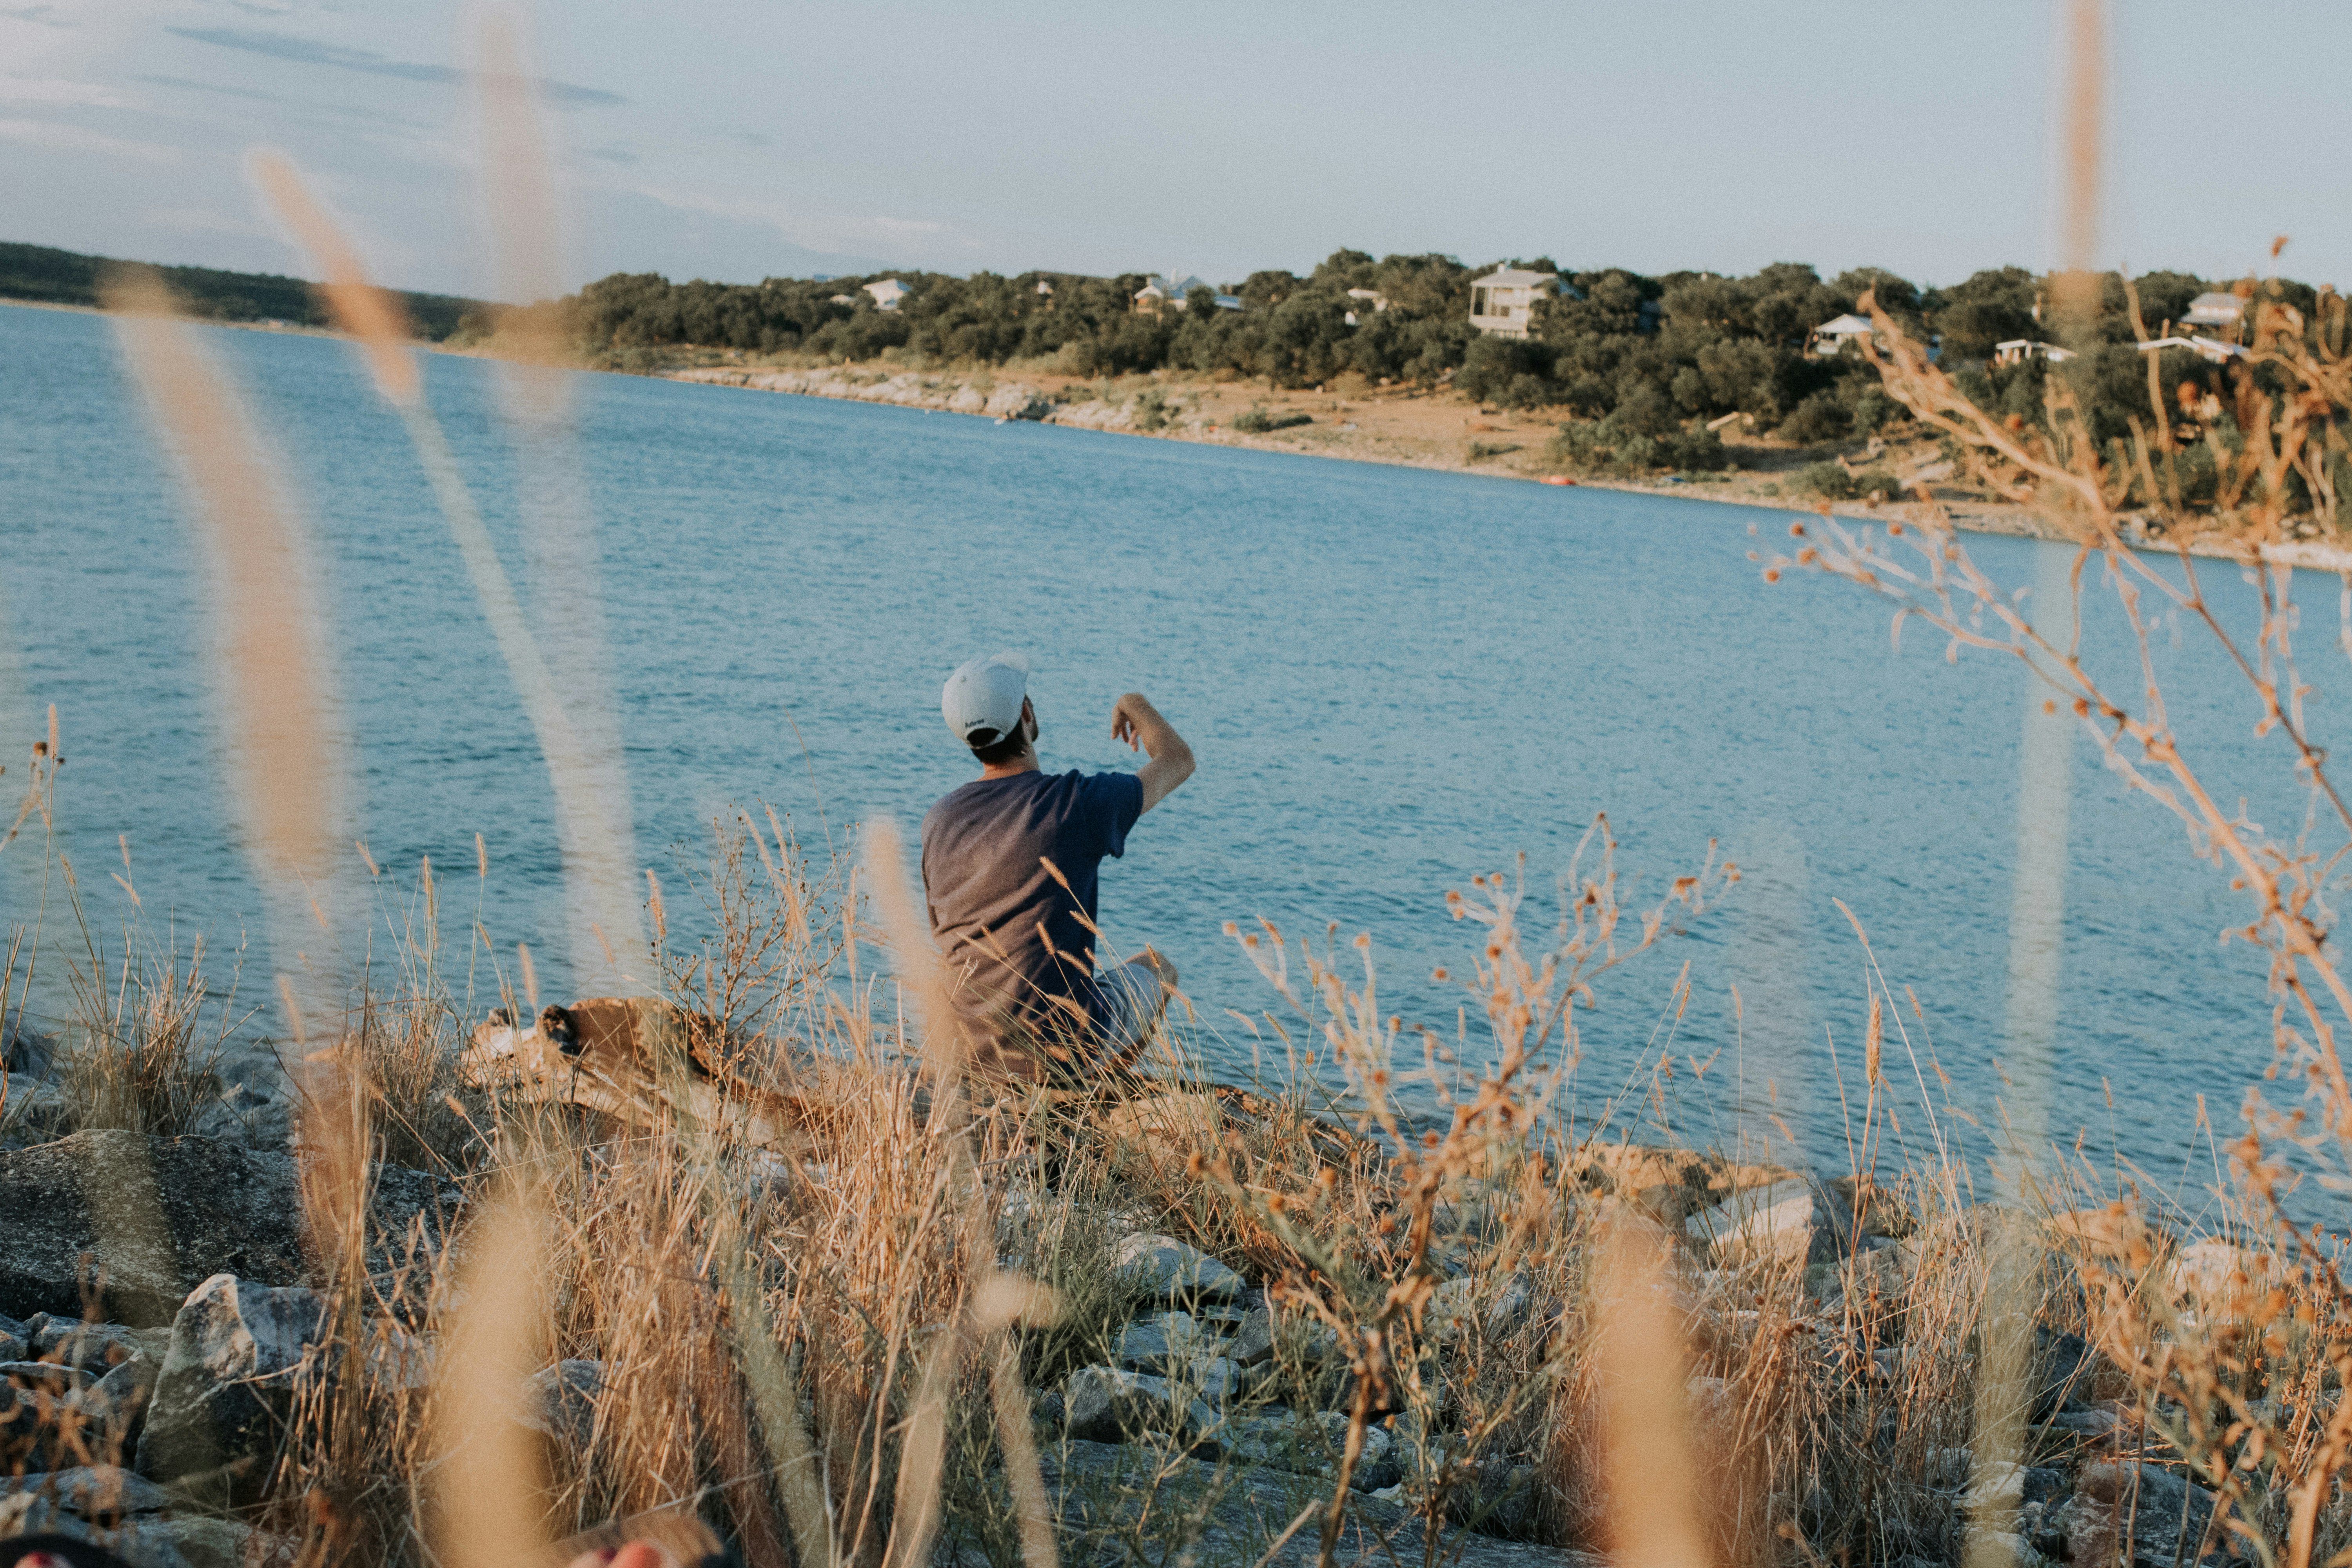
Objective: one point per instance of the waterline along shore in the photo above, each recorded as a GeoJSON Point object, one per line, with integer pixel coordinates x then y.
{"type": "Point", "coordinates": [1412, 428]}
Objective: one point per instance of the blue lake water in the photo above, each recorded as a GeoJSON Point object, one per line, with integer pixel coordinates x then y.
{"type": "Point", "coordinates": [1393, 679]}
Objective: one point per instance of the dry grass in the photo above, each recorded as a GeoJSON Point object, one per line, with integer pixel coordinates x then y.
{"type": "Point", "coordinates": [829, 1356]}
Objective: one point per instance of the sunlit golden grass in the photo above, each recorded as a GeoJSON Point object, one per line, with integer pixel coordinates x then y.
{"type": "Point", "coordinates": [849, 1347]}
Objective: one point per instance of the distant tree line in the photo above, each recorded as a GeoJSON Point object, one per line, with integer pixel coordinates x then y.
{"type": "Point", "coordinates": [70, 278]}
{"type": "Point", "coordinates": [1640, 365]}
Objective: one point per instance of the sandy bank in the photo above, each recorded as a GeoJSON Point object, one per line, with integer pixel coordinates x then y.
{"type": "Point", "coordinates": [1403, 426]}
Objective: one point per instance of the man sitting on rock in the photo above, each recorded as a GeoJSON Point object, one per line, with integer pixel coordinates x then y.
{"type": "Point", "coordinates": [1009, 864]}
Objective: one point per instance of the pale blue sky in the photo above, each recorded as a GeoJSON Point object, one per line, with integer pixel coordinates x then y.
{"type": "Point", "coordinates": [733, 139]}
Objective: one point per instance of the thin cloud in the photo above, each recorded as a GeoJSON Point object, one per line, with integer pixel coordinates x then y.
{"type": "Point", "coordinates": [308, 106]}
{"type": "Point", "coordinates": [41, 16]}
{"type": "Point", "coordinates": [367, 62]}
{"type": "Point", "coordinates": [245, 92]}
{"type": "Point", "coordinates": [52, 89]}
{"type": "Point", "coordinates": [73, 139]}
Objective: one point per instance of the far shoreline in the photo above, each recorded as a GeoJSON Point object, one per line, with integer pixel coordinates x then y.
{"type": "Point", "coordinates": [987, 396]}
{"type": "Point", "coordinates": [1435, 445]}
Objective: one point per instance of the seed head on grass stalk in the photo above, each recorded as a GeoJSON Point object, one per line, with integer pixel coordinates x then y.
{"type": "Point", "coordinates": [486, 1464]}
{"type": "Point", "coordinates": [591, 791]}
{"type": "Point", "coordinates": [372, 317]}
{"type": "Point", "coordinates": [273, 664]}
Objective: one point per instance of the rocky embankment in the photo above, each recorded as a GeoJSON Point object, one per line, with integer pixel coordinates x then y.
{"type": "Point", "coordinates": [158, 1306]}
{"type": "Point", "coordinates": [1149, 413]}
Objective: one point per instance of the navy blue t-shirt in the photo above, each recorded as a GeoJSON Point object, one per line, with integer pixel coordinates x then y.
{"type": "Point", "coordinates": [1017, 940]}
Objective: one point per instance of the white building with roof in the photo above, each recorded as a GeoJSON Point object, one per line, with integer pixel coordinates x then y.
{"type": "Point", "coordinates": [1160, 293]}
{"type": "Point", "coordinates": [2209, 348]}
{"type": "Point", "coordinates": [2017, 350]}
{"type": "Point", "coordinates": [2215, 311]}
{"type": "Point", "coordinates": [888, 293]}
{"type": "Point", "coordinates": [1831, 337]}
{"type": "Point", "coordinates": [1503, 302]}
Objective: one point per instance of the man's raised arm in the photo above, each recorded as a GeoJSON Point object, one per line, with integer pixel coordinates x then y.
{"type": "Point", "coordinates": [1135, 720]}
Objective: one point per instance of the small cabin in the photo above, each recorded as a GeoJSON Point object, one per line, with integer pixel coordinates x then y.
{"type": "Point", "coordinates": [2215, 311]}
{"type": "Point", "coordinates": [1503, 302]}
{"type": "Point", "coordinates": [1159, 294]}
{"type": "Point", "coordinates": [2210, 350]}
{"type": "Point", "coordinates": [2017, 350]}
{"type": "Point", "coordinates": [888, 293]}
{"type": "Point", "coordinates": [1830, 339]}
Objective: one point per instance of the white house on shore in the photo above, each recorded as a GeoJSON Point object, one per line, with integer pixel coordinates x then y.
{"type": "Point", "coordinates": [1503, 302]}
{"type": "Point", "coordinates": [2211, 350]}
{"type": "Point", "coordinates": [2017, 350]}
{"type": "Point", "coordinates": [1159, 293]}
{"type": "Point", "coordinates": [2215, 311]}
{"type": "Point", "coordinates": [888, 293]}
{"type": "Point", "coordinates": [1831, 337]}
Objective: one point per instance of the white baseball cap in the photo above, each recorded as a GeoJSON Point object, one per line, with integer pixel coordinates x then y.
{"type": "Point", "coordinates": [986, 695]}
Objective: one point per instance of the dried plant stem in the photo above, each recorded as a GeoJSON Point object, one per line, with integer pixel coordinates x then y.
{"type": "Point", "coordinates": [1651, 1467]}
{"type": "Point", "coordinates": [602, 855]}
{"type": "Point", "coordinates": [488, 1462]}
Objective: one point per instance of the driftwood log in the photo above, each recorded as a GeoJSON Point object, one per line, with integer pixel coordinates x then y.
{"type": "Point", "coordinates": [639, 1060]}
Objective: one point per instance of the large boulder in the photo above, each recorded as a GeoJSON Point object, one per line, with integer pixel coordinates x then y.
{"type": "Point", "coordinates": [1792, 1221]}
{"type": "Point", "coordinates": [100, 1493]}
{"type": "Point", "coordinates": [1110, 1404]}
{"type": "Point", "coordinates": [1168, 1343]}
{"type": "Point", "coordinates": [2160, 1513]}
{"type": "Point", "coordinates": [1205, 1512]}
{"type": "Point", "coordinates": [227, 1387]}
{"type": "Point", "coordinates": [1309, 1444]}
{"type": "Point", "coordinates": [1165, 1269]}
{"type": "Point", "coordinates": [140, 1222]}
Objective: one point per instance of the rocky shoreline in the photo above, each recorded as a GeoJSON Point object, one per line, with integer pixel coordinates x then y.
{"type": "Point", "coordinates": [153, 1348]}
{"type": "Point", "coordinates": [1181, 411]}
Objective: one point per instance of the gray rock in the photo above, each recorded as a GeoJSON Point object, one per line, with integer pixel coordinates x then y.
{"type": "Point", "coordinates": [1498, 1500]}
{"type": "Point", "coordinates": [1310, 1444]}
{"type": "Point", "coordinates": [142, 1540]}
{"type": "Point", "coordinates": [31, 1439]}
{"type": "Point", "coordinates": [28, 1513]}
{"type": "Point", "coordinates": [1207, 1513]}
{"type": "Point", "coordinates": [91, 1491]}
{"type": "Point", "coordinates": [1170, 1270]}
{"type": "Point", "coordinates": [1255, 1344]}
{"type": "Point", "coordinates": [57, 1380]}
{"type": "Point", "coordinates": [203, 1543]}
{"type": "Point", "coordinates": [1110, 1405]}
{"type": "Point", "coordinates": [118, 1402]}
{"type": "Point", "coordinates": [1162, 1343]}
{"type": "Point", "coordinates": [96, 1346]}
{"type": "Point", "coordinates": [1460, 1305]}
{"type": "Point", "coordinates": [146, 1220]}
{"type": "Point", "coordinates": [560, 1400]}
{"type": "Point", "coordinates": [1791, 1220]}
{"type": "Point", "coordinates": [2063, 1368]}
{"type": "Point", "coordinates": [1218, 1380]}
{"type": "Point", "coordinates": [2168, 1507]}
{"type": "Point", "coordinates": [226, 1387]}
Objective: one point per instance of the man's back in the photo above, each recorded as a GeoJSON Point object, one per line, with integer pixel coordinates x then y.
{"type": "Point", "coordinates": [1021, 942]}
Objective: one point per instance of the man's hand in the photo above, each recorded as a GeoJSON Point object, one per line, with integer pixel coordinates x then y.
{"type": "Point", "coordinates": [1135, 720]}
